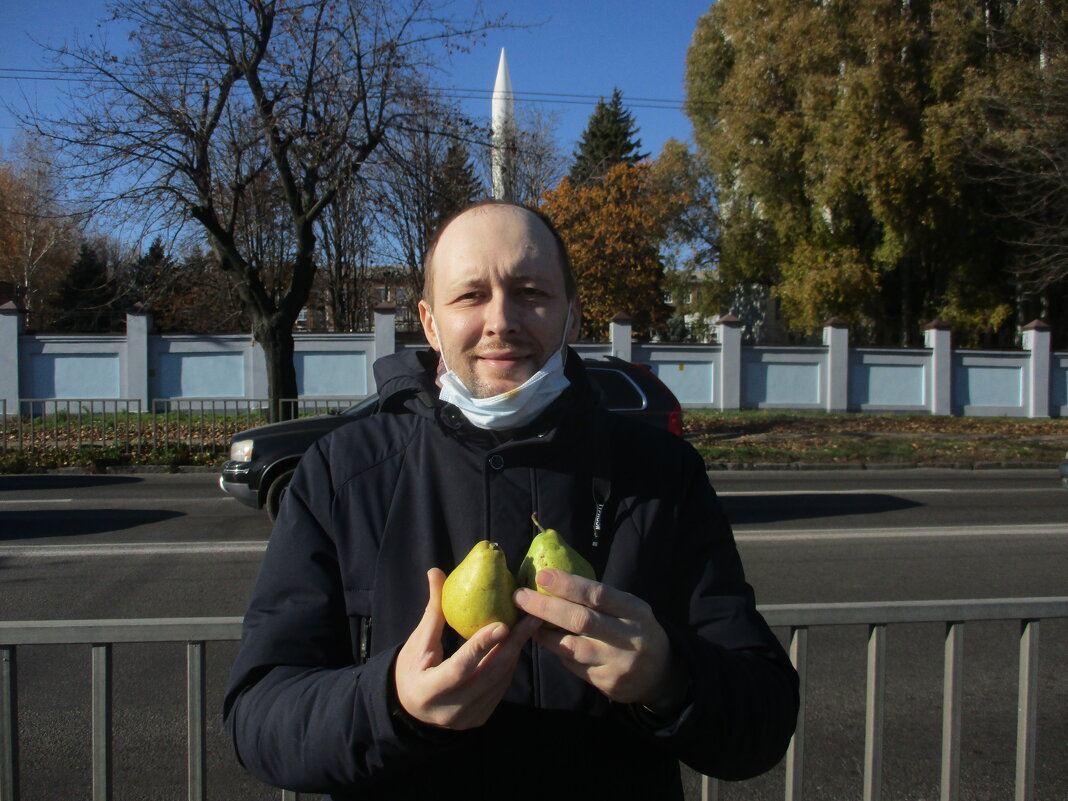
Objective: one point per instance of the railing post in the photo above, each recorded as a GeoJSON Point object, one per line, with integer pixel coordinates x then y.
{"type": "Point", "coordinates": [1027, 711]}
{"type": "Point", "coordinates": [795, 754]}
{"type": "Point", "coordinates": [873, 714]}
{"type": "Point", "coordinates": [102, 722]}
{"type": "Point", "coordinates": [9, 724]}
{"type": "Point", "coordinates": [195, 720]}
{"type": "Point", "coordinates": [951, 711]}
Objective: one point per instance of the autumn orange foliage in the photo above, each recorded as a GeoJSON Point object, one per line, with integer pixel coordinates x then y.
{"type": "Point", "coordinates": [613, 230]}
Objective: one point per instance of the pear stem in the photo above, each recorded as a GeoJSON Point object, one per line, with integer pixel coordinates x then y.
{"type": "Point", "coordinates": [534, 517]}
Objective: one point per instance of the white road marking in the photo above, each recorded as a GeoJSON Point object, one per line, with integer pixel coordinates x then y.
{"type": "Point", "coordinates": [119, 502]}
{"type": "Point", "coordinates": [751, 535]}
{"type": "Point", "coordinates": [36, 500]}
{"type": "Point", "coordinates": [133, 549]}
{"type": "Point", "coordinates": [878, 491]}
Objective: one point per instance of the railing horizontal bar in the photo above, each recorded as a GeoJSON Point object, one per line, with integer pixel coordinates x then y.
{"type": "Point", "coordinates": [873, 613]}
{"type": "Point", "coordinates": [44, 632]}
{"type": "Point", "coordinates": [61, 632]}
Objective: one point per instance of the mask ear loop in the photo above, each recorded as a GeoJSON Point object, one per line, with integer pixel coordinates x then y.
{"type": "Point", "coordinates": [442, 366]}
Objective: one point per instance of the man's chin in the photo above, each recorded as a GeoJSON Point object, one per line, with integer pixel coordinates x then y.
{"type": "Point", "coordinates": [489, 386]}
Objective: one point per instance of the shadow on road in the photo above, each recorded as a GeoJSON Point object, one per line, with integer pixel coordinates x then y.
{"type": "Point", "coordinates": [15, 526]}
{"type": "Point", "coordinates": [778, 508]}
{"type": "Point", "coordinates": [46, 481]}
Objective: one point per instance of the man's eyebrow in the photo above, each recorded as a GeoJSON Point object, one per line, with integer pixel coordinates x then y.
{"type": "Point", "coordinates": [475, 281]}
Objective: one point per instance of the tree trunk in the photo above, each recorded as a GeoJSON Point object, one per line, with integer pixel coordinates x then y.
{"type": "Point", "coordinates": [277, 343]}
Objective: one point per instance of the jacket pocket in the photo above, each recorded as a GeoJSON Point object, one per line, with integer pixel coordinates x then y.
{"type": "Point", "coordinates": [358, 608]}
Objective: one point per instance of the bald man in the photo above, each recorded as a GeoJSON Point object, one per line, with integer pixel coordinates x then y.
{"type": "Point", "coordinates": [349, 682]}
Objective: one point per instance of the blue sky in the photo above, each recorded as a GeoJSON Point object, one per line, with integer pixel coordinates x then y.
{"type": "Point", "coordinates": [583, 50]}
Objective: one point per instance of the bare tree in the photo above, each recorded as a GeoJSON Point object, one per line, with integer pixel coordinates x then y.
{"type": "Point", "coordinates": [219, 103]}
{"type": "Point", "coordinates": [345, 231]}
{"type": "Point", "coordinates": [38, 238]}
{"type": "Point", "coordinates": [425, 177]}
{"type": "Point", "coordinates": [539, 161]}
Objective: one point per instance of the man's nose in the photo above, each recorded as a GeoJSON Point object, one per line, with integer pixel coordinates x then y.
{"type": "Point", "coordinates": [501, 317]}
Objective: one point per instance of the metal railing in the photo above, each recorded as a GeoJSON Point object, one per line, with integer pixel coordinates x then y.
{"type": "Point", "coordinates": [197, 424]}
{"type": "Point", "coordinates": [101, 635]}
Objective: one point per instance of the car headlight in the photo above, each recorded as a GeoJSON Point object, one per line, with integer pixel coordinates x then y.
{"type": "Point", "coordinates": [241, 451]}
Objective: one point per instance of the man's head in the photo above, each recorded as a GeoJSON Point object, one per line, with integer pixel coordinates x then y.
{"type": "Point", "coordinates": [497, 296]}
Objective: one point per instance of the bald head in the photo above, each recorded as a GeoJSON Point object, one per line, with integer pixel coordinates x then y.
{"type": "Point", "coordinates": [495, 218]}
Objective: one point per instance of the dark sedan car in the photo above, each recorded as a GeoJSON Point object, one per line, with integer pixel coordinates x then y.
{"type": "Point", "coordinates": [262, 460]}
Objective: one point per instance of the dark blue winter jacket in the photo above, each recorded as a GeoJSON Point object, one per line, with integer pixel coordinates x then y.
{"type": "Point", "coordinates": [375, 504]}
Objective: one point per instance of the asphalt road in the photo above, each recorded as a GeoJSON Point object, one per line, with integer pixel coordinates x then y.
{"type": "Point", "coordinates": [174, 546]}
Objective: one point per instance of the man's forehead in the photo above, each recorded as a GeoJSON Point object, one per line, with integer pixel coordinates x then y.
{"type": "Point", "coordinates": [512, 222]}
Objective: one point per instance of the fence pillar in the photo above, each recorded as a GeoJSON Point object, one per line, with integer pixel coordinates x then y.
{"type": "Point", "coordinates": [12, 322]}
{"type": "Point", "coordinates": [135, 380]}
{"type": "Point", "coordinates": [1036, 338]}
{"type": "Point", "coordinates": [729, 331]}
{"type": "Point", "coordinates": [385, 338]}
{"type": "Point", "coordinates": [836, 340]}
{"type": "Point", "coordinates": [620, 334]}
{"type": "Point", "coordinates": [937, 337]}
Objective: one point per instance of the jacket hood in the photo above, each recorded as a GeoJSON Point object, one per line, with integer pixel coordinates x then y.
{"type": "Point", "coordinates": [404, 375]}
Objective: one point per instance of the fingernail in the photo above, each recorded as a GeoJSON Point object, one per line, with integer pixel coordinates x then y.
{"type": "Point", "coordinates": [545, 578]}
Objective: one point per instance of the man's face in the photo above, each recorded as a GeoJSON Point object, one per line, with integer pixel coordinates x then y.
{"type": "Point", "coordinates": [498, 305]}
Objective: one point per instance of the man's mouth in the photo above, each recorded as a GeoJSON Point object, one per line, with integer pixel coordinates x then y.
{"type": "Point", "coordinates": [502, 358]}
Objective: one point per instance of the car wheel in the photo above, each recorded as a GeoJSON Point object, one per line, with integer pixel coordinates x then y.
{"type": "Point", "coordinates": [276, 492]}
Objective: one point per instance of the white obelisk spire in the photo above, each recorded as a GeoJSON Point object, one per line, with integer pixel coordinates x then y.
{"type": "Point", "coordinates": [502, 125]}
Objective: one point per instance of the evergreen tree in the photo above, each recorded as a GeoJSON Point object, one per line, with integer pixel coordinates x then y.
{"type": "Point", "coordinates": [610, 138]}
{"type": "Point", "coordinates": [455, 185]}
{"type": "Point", "coordinates": [86, 295]}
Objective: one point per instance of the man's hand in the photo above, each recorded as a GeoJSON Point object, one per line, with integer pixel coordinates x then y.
{"type": "Point", "coordinates": [608, 638]}
{"type": "Point", "coordinates": [462, 691]}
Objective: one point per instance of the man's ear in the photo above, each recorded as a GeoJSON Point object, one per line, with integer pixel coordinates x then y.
{"type": "Point", "coordinates": [575, 328]}
{"type": "Point", "coordinates": [426, 317]}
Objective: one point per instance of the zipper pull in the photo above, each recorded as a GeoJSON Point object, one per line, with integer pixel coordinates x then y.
{"type": "Point", "coordinates": [597, 524]}
{"type": "Point", "coordinates": [365, 639]}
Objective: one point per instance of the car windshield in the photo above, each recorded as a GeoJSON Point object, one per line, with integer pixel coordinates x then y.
{"type": "Point", "coordinates": [370, 400]}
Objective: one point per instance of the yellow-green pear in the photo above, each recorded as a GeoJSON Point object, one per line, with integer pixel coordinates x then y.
{"type": "Point", "coordinates": [479, 591]}
{"type": "Point", "coordinates": [548, 550]}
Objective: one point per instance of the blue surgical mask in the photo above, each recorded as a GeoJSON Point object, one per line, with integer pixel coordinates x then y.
{"type": "Point", "coordinates": [515, 407]}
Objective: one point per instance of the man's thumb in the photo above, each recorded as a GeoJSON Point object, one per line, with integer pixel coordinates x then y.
{"type": "Point", "coordinates": [433, 622]}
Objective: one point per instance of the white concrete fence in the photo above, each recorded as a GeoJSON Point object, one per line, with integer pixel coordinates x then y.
{"type": "Point", "coordinates": [145, 368]}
